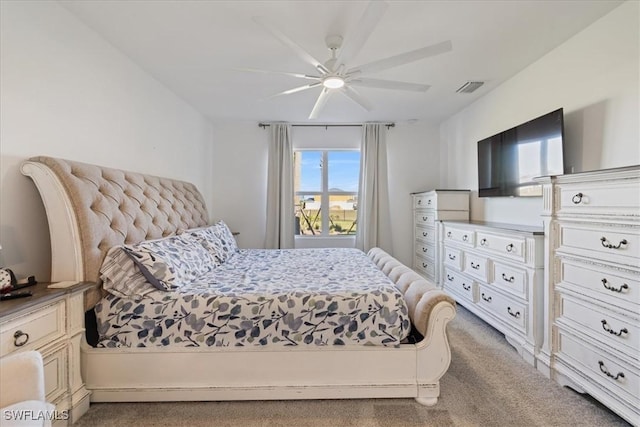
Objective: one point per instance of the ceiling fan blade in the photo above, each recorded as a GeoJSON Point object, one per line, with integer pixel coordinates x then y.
{"type": "Point", "coordinates": [296, 89]}
{"type": "Point", "coordinates": [361, 33]}
{"type": "Point", "coordinates": [356, 97]}
{"type": "Point", "coordinates": [403, 58]}
{"type": "Point", "coordinates": [389, 84]}
{"type": "Point", "coordinates": [285, 73]}
{"type": "Point", "coordinates": [299, 50]}
{"type": "Point", "coordinates": [320, 102]}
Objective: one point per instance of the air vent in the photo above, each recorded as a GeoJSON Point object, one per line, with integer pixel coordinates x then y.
{"type": "Point", "coordinates": [469, 87]}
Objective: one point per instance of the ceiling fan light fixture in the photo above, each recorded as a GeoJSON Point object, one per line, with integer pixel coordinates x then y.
{"type": "Point", "coordinates": [333, 82]}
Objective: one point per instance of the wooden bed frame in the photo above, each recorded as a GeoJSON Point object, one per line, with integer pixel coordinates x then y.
{"type": "Point", "coordinates": [91, 208]}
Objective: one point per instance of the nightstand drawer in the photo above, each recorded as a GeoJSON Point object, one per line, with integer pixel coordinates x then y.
{"type": "Point", "coordinates": [33, 330]}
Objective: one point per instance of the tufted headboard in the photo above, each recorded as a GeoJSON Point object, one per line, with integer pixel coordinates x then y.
{"type": "Point", "coordinates": [92, 208]}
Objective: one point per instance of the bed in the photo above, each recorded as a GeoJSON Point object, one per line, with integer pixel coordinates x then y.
{"type": "Point", "coordinates": [93, 209]}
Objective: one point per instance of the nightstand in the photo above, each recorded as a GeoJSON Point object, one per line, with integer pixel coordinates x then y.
{"type": "Point", "coordinates": [51, 321]}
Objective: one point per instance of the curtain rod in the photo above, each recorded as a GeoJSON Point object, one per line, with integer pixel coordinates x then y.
{"type": "Point", "coordinates": [265, 125]}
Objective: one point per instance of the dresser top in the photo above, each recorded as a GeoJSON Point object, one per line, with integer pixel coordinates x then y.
{"type": "Point", "coordinates": [439, 190]}
{"type": "Point", "coordinates": [41, 294]}
{"type": "Point", "coordinates": [531, 229]}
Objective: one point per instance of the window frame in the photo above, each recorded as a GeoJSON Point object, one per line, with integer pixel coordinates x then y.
{"type": "Point", "coordinates": [325, 194]}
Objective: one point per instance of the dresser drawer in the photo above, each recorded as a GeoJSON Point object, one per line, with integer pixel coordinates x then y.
{"type": "Point", "coordinates": [33, 330]}
{"type": "Point", "coordinates": [476, 266]}
{"type": "Point", "coordinates": [511, 247]}
{"type": "Point", "coordinates": [611, 198]}
{"type": "Point", "coordinates": [425, 218]}
{"type": "Point", "coordinates": [513, 312]}
{"type": "Point", "coordinates": [460, 285]}
{"type": "Point", "coordinates": [427, 234]}
{"type": "Point", "coordinates": [610, 285]}
{"type": "Point", "coordinates": [459, 235]}
{"type": "Point", "coordinates": [615, 244]}
{"type": "Point", "coordinates": [425, 265]}
{"type": "Point", "coordinates": [510, 279]}
{"type": "Point", "coordinates": [422, 201]}
{"type": "Point", "coordinates": [453, 258]}
{"type": "Point", "coordinates": [621, 333]}
{"type": "Point", "coordinates": [609, 371]}
{"type": "Point", "coordinates": [425, 249]}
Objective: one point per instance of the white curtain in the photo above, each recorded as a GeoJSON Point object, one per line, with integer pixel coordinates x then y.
{"type": "Point", "coordinates": [374, 222]}
{"type": "Point", "coordinates": [280, 209]}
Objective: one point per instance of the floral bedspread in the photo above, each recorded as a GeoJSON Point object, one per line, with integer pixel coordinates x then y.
{"type": "Point", "coordinates": [266, 297]}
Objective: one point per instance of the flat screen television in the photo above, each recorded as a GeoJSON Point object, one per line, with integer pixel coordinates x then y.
{"type": "Point", "coordinates": [509, 160]}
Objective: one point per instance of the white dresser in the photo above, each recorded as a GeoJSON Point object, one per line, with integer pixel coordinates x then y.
{"type": "Point", "coordinates": [51, 322]}
{"type": "Point", "coordinates": [430, 207]}
{"type": "Point", "coordinates": [496, 271]}
{"type": "Point", "coordinates": [593, 286]}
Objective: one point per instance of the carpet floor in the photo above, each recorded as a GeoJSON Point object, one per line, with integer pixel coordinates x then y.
{"type": "Point", "coordinates": [487, 384]}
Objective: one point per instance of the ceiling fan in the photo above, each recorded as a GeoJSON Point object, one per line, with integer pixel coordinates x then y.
{"type": "Point", "coordinates": [334, 75]}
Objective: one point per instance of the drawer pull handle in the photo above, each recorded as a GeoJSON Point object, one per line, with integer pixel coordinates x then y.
{"type": "Point", "coordinates": [452, 257]}
{"type": "Point", "coordinates": [611, 331]}
{"type": "Point", "coordinates": [607, 373]}
{"type": "Point", "coordinates": [483, 242]}
{"type": "Point", "coordinates": [608, 245]}
{"type": "Point", "coordinates": [508, 279]}
{"type": "Point", "coordinates": [612, 289]}
{"type": "Point", "coordinates": [424, 218]}
{"type": "Point", "coordinates": [429, 201]}
{"type": "Point", "coordinates": [510, 247]}
{"type": "Point", "coordinates": [448, 234]}
{"type": "Point", "coordinates": [419, 201]}
{"type": "Point", "coordinates": [516, 314]}
{"type": "Point", "coordinates": [425, 249]}
{"type": "Point", "coordinates": [475, 266]}
{"type": "Point", "coordinates": [465, 238]}
{"type": "Point", "coordinates": [487, 299]}
{"type": "Point", "coordinates": [20, 338]}
{"type": "Point", "coordinates": [425, 265]}
{"type": "Point", "coordinates": [450, 277]}
{"type": "Point", "coordinates": [425, 234]}
{"type": "Point", "coordinates": [466, 287]}
{"type": "Point", "coordinates": [576, 199]}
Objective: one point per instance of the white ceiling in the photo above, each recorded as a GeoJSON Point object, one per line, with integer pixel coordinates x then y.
{"type": "Point", "coordinates": [194, 47]}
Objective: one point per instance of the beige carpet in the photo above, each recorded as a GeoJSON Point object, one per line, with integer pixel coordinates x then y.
{"type": "Point", "coordinates": [486, 385]}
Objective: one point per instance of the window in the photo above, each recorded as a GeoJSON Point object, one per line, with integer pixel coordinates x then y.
{"type": "Point", "coordinates": [326, 192]}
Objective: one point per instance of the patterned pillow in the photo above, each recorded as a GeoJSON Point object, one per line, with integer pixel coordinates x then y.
{"type": "Point", "coordinates": [122, 277]}
{"type": "Point", "coordinates": [133, 270]}
{"type": "Point", "coordinates": [184, 258]}
{"type": "Point", "coordinates": [217, 239]}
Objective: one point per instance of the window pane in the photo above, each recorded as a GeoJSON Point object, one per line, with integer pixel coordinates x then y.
{"type": "Point", "coordinates": [344, 170]}
{"type": "Point", "coordinates": [308, 220]}
{"type": "Point", "coordinates": [307, 171]}
{"type": "Point", "coordinates": [342, 214]}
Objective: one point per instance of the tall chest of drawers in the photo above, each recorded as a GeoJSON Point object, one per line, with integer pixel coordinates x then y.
{"type": "Point", "coordinates": [496, 272]}
{"type": "Point", "coordinates": [52, 323]}
{"type": "Point", "coordinates": [429, 208]}
{"type": "Point", "coordinates": [593, 324]}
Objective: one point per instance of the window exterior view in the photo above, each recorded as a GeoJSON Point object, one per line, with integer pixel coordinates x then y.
{"type": "Point", "coordinates": [326, 192]}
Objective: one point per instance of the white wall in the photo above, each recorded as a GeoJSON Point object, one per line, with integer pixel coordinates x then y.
{"type": "Point", "coordinates": [594, 76]}
{"type": "Point", "coordinates": [240, 174]}
{"type": "Point", "coordinates": [65, 92]}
